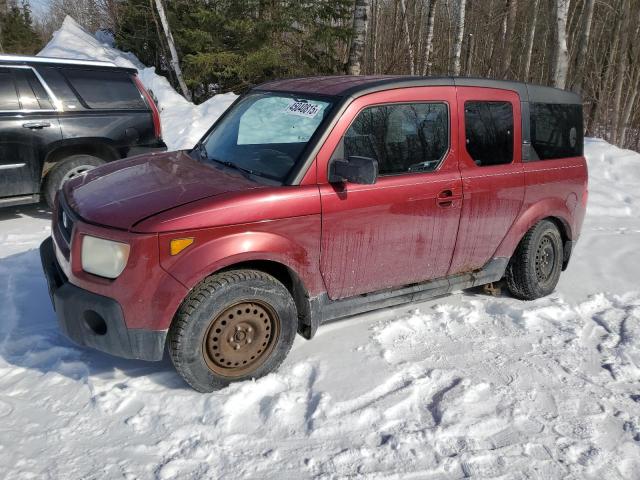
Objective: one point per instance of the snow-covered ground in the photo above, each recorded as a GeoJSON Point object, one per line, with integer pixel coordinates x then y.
{"type": "Point", "coordinates": [463, 386]}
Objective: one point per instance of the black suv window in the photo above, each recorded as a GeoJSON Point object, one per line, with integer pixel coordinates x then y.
{"type": "Point", "coordinates": [489, 132]}
{"type": "Point", "coordinates": [106, 90]}
{"type": "Point", "coordinates": [403, 138]}
{"type": "Point", "coordinates": [32, 93]}
{"type": "Point", "coordinates": [556, 130]}
{"type": "Point", "coordinates": [8, 93]}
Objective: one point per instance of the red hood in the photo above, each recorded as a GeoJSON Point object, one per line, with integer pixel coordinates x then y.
{"type": "Point", "coordinates": [122, 193]}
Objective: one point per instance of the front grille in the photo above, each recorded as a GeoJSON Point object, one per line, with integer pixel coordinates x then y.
{"type": "Point", "coordinates": [65, 221]}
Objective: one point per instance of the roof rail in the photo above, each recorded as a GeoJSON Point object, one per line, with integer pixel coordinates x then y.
{"type": "Point", "coordinates": [64, 61]}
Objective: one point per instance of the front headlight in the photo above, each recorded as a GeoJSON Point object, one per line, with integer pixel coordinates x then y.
{"type": "Point", "coordinates": [104, 258]}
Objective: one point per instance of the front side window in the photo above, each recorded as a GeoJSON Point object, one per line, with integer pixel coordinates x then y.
{"type": "Point", "coordinates": [8, 94]}
{"type": "Point", "coordinates": [489, 132]}
{"type": "Point", "coordinates": [106, 90]}
{"type": "Point", "coordinates": [556, 130]}
{"type": "Point", "coordinates": [403, 138]}
{"type": "Point", "coordinates": [265, 133]}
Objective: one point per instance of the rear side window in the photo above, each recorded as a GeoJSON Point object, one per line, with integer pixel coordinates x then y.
{"type": "Point", "coordinates": [556, 130]}
{"type": "Point", "coordinates": [32, 94]}
{"type": "Point", "coordinates": [8, 93]}
{"type": "Point", "coordinates": [106, 90]}
{"type": "Point", "coordinates": [403, 138]}
{"type": "Point", "coordinates": [489, 132]}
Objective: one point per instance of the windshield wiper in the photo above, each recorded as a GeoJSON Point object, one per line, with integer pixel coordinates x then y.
{"type": "Point", "coordinates": [229, 164]}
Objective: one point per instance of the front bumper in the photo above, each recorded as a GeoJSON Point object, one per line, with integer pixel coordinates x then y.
{"type": "Point", "coordinates": [94, 320]}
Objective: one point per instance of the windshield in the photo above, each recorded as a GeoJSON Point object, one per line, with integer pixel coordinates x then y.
{"type": "Point", "coordinates": [265, 133]}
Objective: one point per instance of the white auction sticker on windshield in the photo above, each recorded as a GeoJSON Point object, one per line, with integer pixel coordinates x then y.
{"type": "Point", "coordinates": [303, 109]}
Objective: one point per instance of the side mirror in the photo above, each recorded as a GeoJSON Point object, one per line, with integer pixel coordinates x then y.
{"type": "Point", "coordinates": [362, 170]}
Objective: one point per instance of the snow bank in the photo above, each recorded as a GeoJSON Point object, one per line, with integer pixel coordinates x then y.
{"type": "Point", "coordinates": [183, 123]}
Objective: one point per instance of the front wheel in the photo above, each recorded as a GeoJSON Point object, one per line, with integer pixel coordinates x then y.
{"type": "Point", "coordinates": [534, 269]}
{"type": "Point", "coordinates": [234, 326]}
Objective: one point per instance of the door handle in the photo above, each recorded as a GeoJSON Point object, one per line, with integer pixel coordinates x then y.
{"type": "Point", "coordinates": [36, 125]}
{"type": "Point", "coordinates": [446, 198]}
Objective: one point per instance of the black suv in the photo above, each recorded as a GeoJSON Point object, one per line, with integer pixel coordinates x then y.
{"type": "Point", "coordinates": [60, 118]}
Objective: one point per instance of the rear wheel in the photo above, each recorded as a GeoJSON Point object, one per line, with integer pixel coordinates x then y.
{"type": "Point", "coordinates": [234, 326]}
{"type": "Point", "coordinates": [534, 269]}
{"type": "Point", "coordinates": [67, 169]}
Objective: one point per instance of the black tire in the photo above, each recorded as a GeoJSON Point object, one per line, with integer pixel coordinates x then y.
{"type": "Point", "coordinates": [534, 269]}
{"type": "Point", "coordinates": [191, 336]}
{"type": "Point", "coordinates": [65, 169]}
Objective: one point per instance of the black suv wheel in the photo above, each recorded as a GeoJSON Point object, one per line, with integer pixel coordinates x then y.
{"type": "Point", "coordinates": [65, 170]}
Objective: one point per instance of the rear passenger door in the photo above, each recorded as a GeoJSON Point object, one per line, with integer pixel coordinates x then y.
{"type": "Point", "coordinates": [402, 229]}
{"type": "Point", "coordinates": [28, 126]}
{"type": "Point", "coordinates": [102, 104]}
{"type": "Point", "coordinates": [492, 173]}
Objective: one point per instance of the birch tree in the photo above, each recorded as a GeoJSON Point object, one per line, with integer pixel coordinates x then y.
{"type": "Point", "coordinates": [621, 68]}
{"type": "Point", "coordinates": [457, 48]}
{"type": "Point", "coordinates": [407, 37]}
{"type": "Point", "coordinates": [175, 62]}
{"type": "Point", "coordinates": [561, 67]}
{"type": "Point", "coordinates": [356, 52]}
{"type": "Point", "coordinates": [431, 13]}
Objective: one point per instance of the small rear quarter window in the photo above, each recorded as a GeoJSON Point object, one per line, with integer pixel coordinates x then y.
{"type": "Point", "coordinates": [106, 90]}
{"type": "Point", "coordinates": [556, 130]}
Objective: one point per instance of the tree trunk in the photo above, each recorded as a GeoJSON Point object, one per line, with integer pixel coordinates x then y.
{"type": "Point", "coordinates": [508, 39]}
{"type": "Point", "coordinates": [581, 57]}
{"type": "Point", "coordinates": [562, 53]}
{"type": "Point", "coordinates": [175, 62]}
{"type": "Point", "coordinates": [457, 48]}
{"type": "Point", "coordinates": [530, 39]}
{"type": "Point", "coordinates": [431, 7]}
{"type": "Point", "coordinates": [407, 37]}
{"type": "Point", "coordinates": [621, 70]}
{"type": "Point", "coordinates": [360, 19]}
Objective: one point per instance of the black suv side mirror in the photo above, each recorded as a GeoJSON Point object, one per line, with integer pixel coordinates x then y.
{"type": "Point", "coordinates": [362, 170]}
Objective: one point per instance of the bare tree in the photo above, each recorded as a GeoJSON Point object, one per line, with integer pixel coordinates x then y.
{"type": "Point", "coordinates": [580, 58]}
{"type": "Point", "coordinates": [621, 68]}
{"type": "Point", "coordinates": [530, 39]}
{"type": "Point", "coordinates": [407, 37]}
{"type": "Point", "coordinates": [508, 38]}
{"type": "Point", "coordinates": [457, 49]}
{"type": "Point", "coordinates": [431, 13]}
{"type": "Point", "coordinates": [175, 62]}
{"type": "Point", "coordinates": [356, 52]}
{"type": "Point", "coordinates": [561, 64]}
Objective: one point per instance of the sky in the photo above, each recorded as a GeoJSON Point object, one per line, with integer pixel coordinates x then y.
{"type": "Point", "coordinates": [39, 7]}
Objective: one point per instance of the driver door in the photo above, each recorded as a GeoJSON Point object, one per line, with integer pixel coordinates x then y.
{"type": "Point", "coordinates": [402, 229]}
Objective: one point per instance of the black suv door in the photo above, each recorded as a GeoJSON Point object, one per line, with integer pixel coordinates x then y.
{"type": "Point", "coordinates": [28, 127]}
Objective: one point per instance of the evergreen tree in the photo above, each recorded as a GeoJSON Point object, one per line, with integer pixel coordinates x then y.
{"type": "Point", "coordinates": [17, 34]}
{"type": "Point", "coordinates": [230, 45]}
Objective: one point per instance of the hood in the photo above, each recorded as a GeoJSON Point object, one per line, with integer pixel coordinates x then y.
{"type": "Point", "coordinates": [122, 193]}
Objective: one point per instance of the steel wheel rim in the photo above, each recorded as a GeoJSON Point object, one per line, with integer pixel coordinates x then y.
{"type": "Point", "coordinates": [545, 259]}
{"type": "Point", "coordinates": [76, 172]}
{"type": "Point", "coordinates": [241, 338]}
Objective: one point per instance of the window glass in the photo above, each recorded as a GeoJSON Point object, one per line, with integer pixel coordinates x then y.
{"type": "Point", "coordinates": [265, 133]}
{"type": "Point", "coordinates": [280, 120]}
{"type": "Point", "coordinates": [8, 94]}
{"type": "Point", "coordinates": [103, 89]}
{"type": "Point", "coordinates": [556, 130]}
{"type": "Point", "coordinates": [489, 132]}
{"type": "Point", "coordinates": [58, 84]}
{"type": "Point", "coordinates": [402, 138]}
{"type": "Point", "coordinates": [32, 93]}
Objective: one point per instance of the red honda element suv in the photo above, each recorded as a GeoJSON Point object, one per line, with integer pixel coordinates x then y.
{"type": "Point", "coordinates": [314, 199]}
